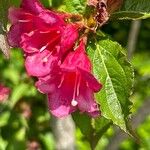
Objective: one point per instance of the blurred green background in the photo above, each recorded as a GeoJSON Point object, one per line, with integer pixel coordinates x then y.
{"type": "Point", "coordinates": [24, 117]}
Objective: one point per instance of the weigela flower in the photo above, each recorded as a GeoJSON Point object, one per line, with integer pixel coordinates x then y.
{"type": "Point", "coordinates": [31, 16]}
{"type": "Point", "coordinates": [43, 35]}
{"type": "Point", "coordinates": [44, 53]}
{"type": "Point", "coordinates": [72, 86]}
{"type": "Point", "coordinates": [63, 72]}
{"type": "Point", "coordinates": [4, 93]}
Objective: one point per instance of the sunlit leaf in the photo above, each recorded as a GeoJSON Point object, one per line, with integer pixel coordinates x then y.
{"type": "Point", "coordinates": [111, 67]}
{"type": "Point", "coordinates": [75, 6]}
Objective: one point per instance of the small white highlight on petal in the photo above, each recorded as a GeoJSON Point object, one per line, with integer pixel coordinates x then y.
{"type": "Point", "coordinates": [58, 32]}
{"type": "Point", "coordinates": [74, 102]}
{"type": "Point", "coordinates": [45, 60]}
{"type": "Point", "coordinates": [24, 21]}
{"type": "Point", "coordinates": [43, 48]}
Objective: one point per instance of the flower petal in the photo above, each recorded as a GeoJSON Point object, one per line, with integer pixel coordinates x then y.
{"type": "Point", "coordinates": [36, 41]}
{"type": "Point", "coordinates": [17, 14]}
{"type": "Point", "coordinates": [69, 37]}
{"type": "Point", "coordinates": [48, 84]}
{"type": "Point", "coordinates": [86, 102]}
{"type": "Point", "coordinates": [60, 100]}
{"type": "Point", "coordinates": [33, 6]}
{"type": "Point", "coordinates": [91, 80]}
{"type": "Point", "coordinates": [40, 64]}
{"type": "Point", "coordinates": [51, 18]}
{"type": "Point", "coordinates": [78, 58]}
{"type": "Point", "coordinates": [14, 35]}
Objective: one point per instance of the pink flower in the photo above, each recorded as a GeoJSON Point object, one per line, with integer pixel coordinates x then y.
{"type": "Point", "coordinates": [29, 17]}
{"type": "Point", "coordinates": [41, 64]}
{"type": "Point", "coordinates": [57, 36]}
{"type": "Point", "coordinates": [42, 54]}
{"type": "Point", "coordinates": [4, 93]}
{"type": "Point", "coordinates": [48, 42]}
{"type": "Point", "coordinates": [72, 86]}
{"type": "Point", "coordinates": [32, 6]}
{"type": "Point", "coordinates": [43, 35]}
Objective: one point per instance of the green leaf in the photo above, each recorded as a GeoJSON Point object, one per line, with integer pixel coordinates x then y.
{"type": "Point", "coordinates": [18, 92]}
{"type": "Point", "coordinates": [100, 126]}
{"type": "Point", "coordinates": [4, 5]}
{"type": "Point", "coordinates": [47, 141]}
{"type": "Point", "coordinates": [111, 67]}
{"type": "Point", "coordinates": [3, 142]}
{"type": "Point", "coordinates": [133, 9]}
{"type": "Point", "coordinates": [141, 63]}
{"type": "Point", "coordinates": [91, 128]}
{"type": "Point", "coordinates": [84, 123]}
{"type": "Point", "coordinates": [47, 3]}
{"type": "Point", "coordinates": [75, 6]}
{"type": "Point", "coordinates": [4, 118]}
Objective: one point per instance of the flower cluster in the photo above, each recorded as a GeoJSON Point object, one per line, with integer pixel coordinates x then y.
{"type": "Point", "coordinates": [52, 55]}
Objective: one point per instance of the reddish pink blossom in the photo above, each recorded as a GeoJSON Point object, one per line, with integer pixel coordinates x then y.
{"type": "Point", "coordinates": [32, 6]}
{"type": "Point", "coordinates": [48, 43]}
{"type": "Point", "coordinates": [41, 64]}
{"type": "Point", "coordinates": [29, 17]}
{"type": "Point", "coordinates": [42, 54]}
{"type": "Point", "coordinates": [69, 37]}
{"type": "Point", "coordinates": [42, 34]}
{"type": "Point", "coordinates": [38, 40]}
{"type": "Point", "coordinates": [4, 93]}
{"type": "Point", "coordinates": [72, 86]}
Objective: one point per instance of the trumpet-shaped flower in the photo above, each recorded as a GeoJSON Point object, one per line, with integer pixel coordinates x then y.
{"type": "Point", "coordinates": [72, 86]}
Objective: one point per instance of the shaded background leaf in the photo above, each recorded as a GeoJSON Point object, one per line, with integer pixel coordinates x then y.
{"type": "Point", "coordinates": [133, 9]}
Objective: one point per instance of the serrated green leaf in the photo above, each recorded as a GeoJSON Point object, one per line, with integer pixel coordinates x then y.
{"type": "Point", "coordinates": [133, 9]}
{"type": "Point", "coordinates": [111, 67]}
{"type": "Point", "coordinates": [75, 6]}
